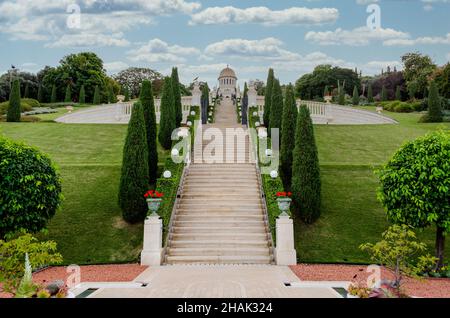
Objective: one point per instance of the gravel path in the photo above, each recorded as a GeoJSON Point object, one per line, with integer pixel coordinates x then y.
{"type": "Point", "coordinates": [430, 287]}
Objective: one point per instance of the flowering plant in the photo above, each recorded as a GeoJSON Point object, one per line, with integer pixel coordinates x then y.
{"type": "Point", "coordinates": [282, 195]}
{"type": "Point", "coordinates": [152, 194]}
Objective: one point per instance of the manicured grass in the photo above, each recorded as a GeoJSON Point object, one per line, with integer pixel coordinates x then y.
{"type": "Point", "coordinates": [351, 213]}
{"type": "Point", "coordinates": [88, 228]}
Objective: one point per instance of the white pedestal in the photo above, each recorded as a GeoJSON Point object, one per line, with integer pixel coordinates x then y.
{"type": "Point", "coordinates": [152, 253]}
{"type": "Point", "coordinates": [285, 253]}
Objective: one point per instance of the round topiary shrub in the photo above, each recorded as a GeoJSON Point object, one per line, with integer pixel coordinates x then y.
{"type": "Point", "coordinates": [403, 108]}
{"type": "Point", "coordinates": [30, 188]}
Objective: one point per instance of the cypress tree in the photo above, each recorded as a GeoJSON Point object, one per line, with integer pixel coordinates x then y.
{"type": "Point", "coordinates": [276, 107]}
{"type": "Point", "coordinates": [306, 184]}
{"type": "Point", "coordinates": [288, 128]}
{"type": "Point", "coordinates": [148, 105]}
{"type": "Point", "coordinates": [53, 98]}
{"type": "Point", "coordinates": [97, 98]}
{"type": "Point", "coordinates": [434, 105]}
{"type": "Point", "coordinates": [384, 96]}
{"type": "Point", "coordinates": [341, 91]}
{"type": "Point", "coordinates": [177, 97]}
{"type": "Point", "coordinates": [127, 95]}
{"type": "Point", "coordinates": [355, 99]}
{"type": "Point", "coordinates": [268, 97]}
{"type": "Point", "coordinates": [14, 111]}
{"type": "Point", "coordinates": [26, 94]}
{"type": "Point", "coordinates": [370, 98]}
{"type": "Point", "coordinates": [82, 98]}
{"type": "Point", "coordinates": [112, 98]}
{"type": "Point", "coordinates": [68, 97]}
{"type": "Point", "coordinates": [134, 177]}
{"type": "Point", "coordinates": [398, 93]}
{"type": "Point", "coordinates": [326, 91]}
{"type": "Point", "coordinates": [40, 94]}
{"type": "Point", "coordinates": [167, 121]}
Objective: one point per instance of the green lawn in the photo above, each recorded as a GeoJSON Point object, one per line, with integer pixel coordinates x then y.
{"type": "Point", "coordinates": [88, 228]}
{"type": "Point", "coordinates": [351, 214]}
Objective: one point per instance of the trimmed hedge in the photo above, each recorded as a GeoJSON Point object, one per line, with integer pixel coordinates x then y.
{"type": "Point", "coordinates": [26, 105]}
{"type": "Point", "coordinates": [14, 111]}
{"type": "Point", "coordinates": [30, 188]}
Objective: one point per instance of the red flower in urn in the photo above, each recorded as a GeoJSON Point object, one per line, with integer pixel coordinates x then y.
{"type": "Point", "coordinates": [154, 199]}
{"type": "Point", "coordinates": [152, 194]}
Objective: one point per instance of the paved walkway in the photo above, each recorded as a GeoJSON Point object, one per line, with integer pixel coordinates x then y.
{"type": "Point", "coordinates": [219, 281]}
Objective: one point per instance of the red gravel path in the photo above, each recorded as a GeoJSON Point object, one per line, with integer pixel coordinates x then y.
{"type": "Point", "coordinates": [430, 287]}
{"type": "Point", "coordinates": [91, 273]}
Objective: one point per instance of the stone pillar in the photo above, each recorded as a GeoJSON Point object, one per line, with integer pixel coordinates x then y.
{"type": "Point", "coordinates": [152, 253]}
{"type": "Point", "coordinates": [285, 253]}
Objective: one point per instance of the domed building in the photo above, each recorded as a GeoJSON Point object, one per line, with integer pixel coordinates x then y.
{"type": "Point", "coordinates": [227, 83]}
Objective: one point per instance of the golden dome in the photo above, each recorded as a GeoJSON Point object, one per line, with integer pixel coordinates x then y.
{"type": "Point", "coordinates": [228, 72]}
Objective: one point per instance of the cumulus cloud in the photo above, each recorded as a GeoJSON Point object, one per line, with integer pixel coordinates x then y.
{"type": "Point", "coordinates": [158, 51]}
{"type": "Point", "coordinates": [268, 48]}
{"type": "Point", "coordinates": [427, 40]}
{"type": "Point", "coordinates": [114, 67]}
{"type": "Point", "coordinates": [264, 15]}
{"type": "Point", "coordinates": [356, 37]}
{"type": "Point", "coordinates": [46, 20]}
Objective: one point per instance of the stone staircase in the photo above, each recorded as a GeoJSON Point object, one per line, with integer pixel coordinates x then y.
{"type": "Point", "coordinates": [219, 218]}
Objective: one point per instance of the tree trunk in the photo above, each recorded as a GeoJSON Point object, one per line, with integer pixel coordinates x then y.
{"type": "Point", "coordinates": [440, 244]}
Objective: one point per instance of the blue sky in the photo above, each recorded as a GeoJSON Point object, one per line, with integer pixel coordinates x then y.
{"type": "Point", "coordinates": [203, 36]}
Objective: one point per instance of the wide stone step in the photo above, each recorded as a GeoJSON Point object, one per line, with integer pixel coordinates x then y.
{"type": "Point", "coordinates": [219, 251]}
{"type": "Point", "coordinates": [198, 217]}
{"type": "Point", "coordinates": [216, 191]}
{"type": "Point", "coordinates": [220, 173]}
{"type": "Point", "coordinates": [242, 236]}
{"type": "Point", "coordinates": [218, 210]}
{"type": "Point", "coordinates": [219, 196]}
{"type": "Point", "coordinates": [221, 166]}
{"type": "Point", "coordinates": [219, 244]}
{"type": "Point", "coordinates": [218, 229]}
{"type": "Point", "coordinates": [219, 259]}
{"type": "Point", "coordinates": [224, 222]}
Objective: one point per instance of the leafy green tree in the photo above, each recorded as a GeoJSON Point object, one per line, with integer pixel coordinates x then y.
{"type": "Point", "coordinates": [134, 178]}
{"type": "Point", "coordinates": [370, 98]}
{"type": "Point", "coordinates": [133, 77]}
{"type": "Point", "coordinates": [177, 97]}
{"type": "Point", "coordinates": [288, 128]}
{"type": "Point", "coordinates": [148, 105]}
{"type": "Point", "coordinates": [415, 186]}
{"type": "Point", "coordinates": [167, 122]}
{"type": "Point", "coordinates": [355, 99]}
{"type": "Point", "coordinates": [398, 93]}
{"type": "Point", "coordinates": [435, 114]}
{"type": "Point", "coordinates": [268, 97]}
{"type": "Point", "coordinates": [417, 68]}
{"type": "Point", "coordinates": [306, 184]}
{"type": "Point", "coordinates": [276, 107]}
{"type": "Point", "coordinates": [14, 111]}
{"type": "Point", "coordinates": [30, 188]}
{"type": "Point", "coordinates": [112, 97]}
{"type": "Point", "coordinates": [384, 96]}
{"type": "Point", "coordinates": [442, 79]}
{"type": "Point", "coordinates": [68, 95]}
{"type": "Point", "coordinates": [82, 97]}
{"type": "Point", "coordinates": [399, 251]}
{"type": "Point", "coordinates": [53, 98]}
{"type": "Point", "coordinates": [97, 97]}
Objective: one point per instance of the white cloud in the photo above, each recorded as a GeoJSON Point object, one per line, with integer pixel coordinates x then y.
{"type": "Point", "coordinates": [46, 20]}
{"type": "Point", "coordinates": [356, 37]}
{"type": "Point", "coordinates": [113, 67]}
{"type": "Point", "coordinates": [427, 40]}
{"type": "Point", "coordinates": [375, 67]}
{"type": "Point", "coordinates": [156, 51]}
{"type": "Point", "coordinates": [263, 15]}
{"type": "Point", "coordinates": [269, 48]}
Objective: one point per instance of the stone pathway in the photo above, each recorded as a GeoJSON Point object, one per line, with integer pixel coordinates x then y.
{"type": "Point", "coordinates": [218, 281]}
{"type": "Point", "coordinates": [219, 218]}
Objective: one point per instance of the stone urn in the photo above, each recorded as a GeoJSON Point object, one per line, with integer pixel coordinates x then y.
{"type": "Point", "coordinates": [284, 204]}
{"type": "Point", "coordinates": [153, 205]}
{"type": "Point", "coordinates": [328, 99]}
